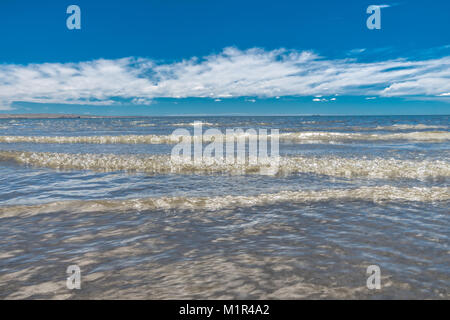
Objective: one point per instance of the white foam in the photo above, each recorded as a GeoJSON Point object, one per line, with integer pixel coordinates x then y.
{"type": "Point", "coordinates": [374, 194]}
{"type": "Point", "coordinates": [160, 164]}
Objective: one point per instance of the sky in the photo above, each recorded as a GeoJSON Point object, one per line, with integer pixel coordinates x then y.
{"type": "Point", "coordinates": [174, 57]}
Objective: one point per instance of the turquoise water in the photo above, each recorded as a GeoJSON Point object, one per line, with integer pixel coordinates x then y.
{"type": "Point", "coordinates": [103, 194]}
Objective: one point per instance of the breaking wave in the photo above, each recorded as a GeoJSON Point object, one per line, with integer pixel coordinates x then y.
{"type": "Point", "coordinates": [374, 194]}
{"type": "Point", "coordinates": [162, 164]}
{"type": "Point", "coordinates": [324, 137]}
{"type": "Point", "coordinates": [187, 124]}
{"type": "Point", "coordinates": [419, 126]}
{"type": "Point", "coordinates": [294, 137]}
{"type": "Point", "coordinates": [123, 139]}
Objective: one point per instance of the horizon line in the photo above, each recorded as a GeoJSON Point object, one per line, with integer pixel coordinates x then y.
{"type": "Point", "coordinates": [87, 116]}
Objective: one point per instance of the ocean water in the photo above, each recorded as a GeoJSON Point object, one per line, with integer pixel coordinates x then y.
{"type": "Point", "coordinates": [104, 194]}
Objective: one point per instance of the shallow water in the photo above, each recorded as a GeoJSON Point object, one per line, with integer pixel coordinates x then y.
{"type": "Point", "coordinates": [104, 194]}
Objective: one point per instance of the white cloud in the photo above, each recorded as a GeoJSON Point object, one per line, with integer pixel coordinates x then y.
{"type": "Point", "coordinates": [388, 5]}
{"type": "Point", "coordinates": [232, 73]}
{"type": "Point", "coordinates": [356, 51]}
{"type": "Point", "coordinates": [142, 101]}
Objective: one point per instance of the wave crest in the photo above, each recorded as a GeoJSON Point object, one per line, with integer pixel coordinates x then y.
{"type": "Point", "coordinates": [294, 137]}
{"type": "Point", "coordinates": [162, 164]}
{"type": "Point", "coordinates": [375, 194]}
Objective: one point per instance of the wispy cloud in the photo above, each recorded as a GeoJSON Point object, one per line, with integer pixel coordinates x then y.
{"type": "Point", "coordinates": [232, 73]}
{"type": "Point", "coordinates": [388, 5]}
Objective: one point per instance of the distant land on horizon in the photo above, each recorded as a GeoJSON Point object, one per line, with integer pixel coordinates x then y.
{"type": "Point", "coordinates": [54, 116]}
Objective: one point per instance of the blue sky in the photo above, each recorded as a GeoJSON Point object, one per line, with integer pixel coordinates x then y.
{"type": "Point", "coordinates": [217, 57]}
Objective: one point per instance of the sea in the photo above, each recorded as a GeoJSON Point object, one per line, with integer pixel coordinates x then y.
{"type": "Point", "coordinates": [351, 194]}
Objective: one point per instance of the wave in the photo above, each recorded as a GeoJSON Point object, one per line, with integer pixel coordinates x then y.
{"type": "Point", "coordinates": [122, 139]}
{"type": "Point", "coordinates": [295, 137]}
{"type": "Point", "coordinates": [419, 126]}
{"type": "Point", "coordinates": [163, 164]}
{"type": "Point", "coordinates": [323, 136]}
{"type": "Point", "coordinates": [185, 124]}
{"type": "Point", "coordinates": [374, 194]}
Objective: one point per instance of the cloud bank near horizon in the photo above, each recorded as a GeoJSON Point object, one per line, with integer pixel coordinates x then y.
{"type": "Point", "coordinates": [229, 74]}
